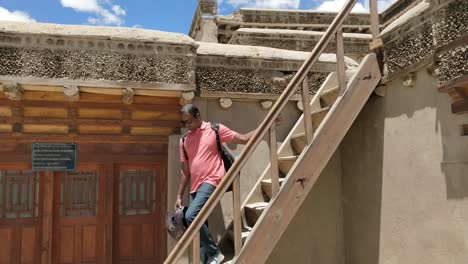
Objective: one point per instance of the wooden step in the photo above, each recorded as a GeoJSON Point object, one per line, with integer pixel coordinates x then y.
{"type": "Point", "coordinates": [328, 97]}
{"type": "Point", "coordinates": [266, 186]}
{"type": "Point", "coordinates": [245, 234]}
{"type": "Point", "coordinates": [253, 212]}
{"type": "Point", "coordinates": [298, 143]}
{"type": "Point", "coordinates": [318, 116]}
{"type": "Point", "coordinates": [286, 163]}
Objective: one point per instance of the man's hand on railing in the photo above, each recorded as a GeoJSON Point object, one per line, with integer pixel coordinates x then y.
{"type": "Point", "coordinates": [279, 119]}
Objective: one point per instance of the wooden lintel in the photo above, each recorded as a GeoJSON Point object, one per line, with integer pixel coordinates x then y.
{"type": "Point", "coordinates": [82, 138]}
{"type": "Point", "coordinates": [160, 108]}
{"type": "Point", "coordinates": [462, 92]}
{"type": "Point", "coordinates": [458, 82]}
{"type": "Point", "coordinates": [245, 96]}
{"type": "Point", "coordinates": [460, 106]}
{"type": "Point", "coordinates": [97, 83]}
{"type": "Point", "coordinates": [102, 122]}
{"type": "Point", "coordinates": [141, 92]}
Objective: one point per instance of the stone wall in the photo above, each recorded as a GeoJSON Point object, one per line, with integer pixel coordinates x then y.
{"type": "Point", "coordinates": [451, 40]}
{"type": "Point", "coordinates": [432, 32]}
{"type": "Point", "coordinates": [95, 53]}
{"type": "Point", "coordinates": [408, 48]}
{"type": "Point", "coordinates": [299, 17]}
{"type": "Point", "coordinates": [94, 65]}
{"type": "Point", "coordinates": [355, 45]}
{"type": "Point", "coordinates": [251, 81]}
{"type": "Point", "coordinates": [245, 69]}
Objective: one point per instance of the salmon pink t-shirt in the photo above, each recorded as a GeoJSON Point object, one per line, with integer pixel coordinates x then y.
{"type": "Point", "coordinates": [205, 162]}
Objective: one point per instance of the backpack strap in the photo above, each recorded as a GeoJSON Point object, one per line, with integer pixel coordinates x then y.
{"type": "Point", "coordinates": [215, 127]}
{"type": "Point", "coordinates": [183, 145]}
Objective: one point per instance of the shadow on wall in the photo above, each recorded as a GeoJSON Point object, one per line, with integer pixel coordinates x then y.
{"type": "Point", "coordinates": [423, 130]}
{"type": "Point", "coordinates": [401, 157]}
{"type": "Point", "coordinates": [362, 172]}
{"type": "Point", "coordinates": [454, 163]}
{"type": "Point", "coordinates": [456, 179]}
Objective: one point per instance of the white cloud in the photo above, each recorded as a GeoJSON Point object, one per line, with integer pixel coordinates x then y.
{"type": "Point", "coordinates": [384, 4]}
{"type": "Point", "coordinates": [15, 15]}
{"type": "Point", "coordinates": [336, 5]}
{"type": "Point", "coordinates": [276, 4]}
{"type": "Point", "coordinates": [113, 15]}
{"type": "Point", "coordinates": [118, 10]}
{"type": "Point", "coordinates": [82, 5]}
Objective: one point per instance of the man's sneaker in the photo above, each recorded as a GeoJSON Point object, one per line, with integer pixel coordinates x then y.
{"type": "Point", "coordinates": [216, 259]}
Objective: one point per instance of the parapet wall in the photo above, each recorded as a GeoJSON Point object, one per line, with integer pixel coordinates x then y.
{"type": "Point", "coordinates": [356, 45]}
{"type": "Point", "coordinates": [433, 33]}
{"type": "Point", "coordinates": [96, 53]}
{"type": "Point", "coordinates": [299, 17]}
{"type": "Point", "coordinates": [256, 70]}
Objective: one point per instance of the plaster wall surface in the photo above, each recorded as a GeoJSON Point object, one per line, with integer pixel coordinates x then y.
{"type": "Point", "coordinates": [315, 235]}
{"type": "Point", "coordinates": [405, 179]}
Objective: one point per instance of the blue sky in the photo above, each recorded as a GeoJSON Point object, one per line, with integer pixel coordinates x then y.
{"type": "Point", "coordinates": [172, 15]}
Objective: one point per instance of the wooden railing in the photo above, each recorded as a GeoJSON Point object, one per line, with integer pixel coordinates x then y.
{"type": "Point", "coordinates": [269, 126]}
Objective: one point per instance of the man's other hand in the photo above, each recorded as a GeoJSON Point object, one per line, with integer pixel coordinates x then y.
{"type": "Point", "coordinates": [178, 203]}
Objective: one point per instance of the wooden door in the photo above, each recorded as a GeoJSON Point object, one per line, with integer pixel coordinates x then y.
{"type": "Point", "coordinates": [79, 216]}
{"type": "Point", "coordinates": [139, 211]}
{"type": "Point", "coordinates": [20, 214]}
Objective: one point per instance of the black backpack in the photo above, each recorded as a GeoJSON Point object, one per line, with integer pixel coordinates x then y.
{"type": "Point", "coordinates": [228, 159]}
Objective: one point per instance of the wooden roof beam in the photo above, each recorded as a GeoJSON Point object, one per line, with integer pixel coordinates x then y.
{"type": "Point", "coordinates": [13, 91]}
{"type": "Point", "coordinates": [127, 95]}
{"type": "Point", "coordinates": [72, 92]}
{"type": "Point", "coordinates": [460, 106]}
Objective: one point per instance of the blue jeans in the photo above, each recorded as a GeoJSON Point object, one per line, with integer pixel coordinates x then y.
{"type": "Point", "coordinates": [198, 199]}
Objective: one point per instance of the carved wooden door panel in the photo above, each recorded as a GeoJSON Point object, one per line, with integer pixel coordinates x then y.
{"type": "Point", "coordinates": [79, 216]}
{"type": "Point", "coordinates": [139, 210]}
{"type": "Point", "coordinates": [20, 215]}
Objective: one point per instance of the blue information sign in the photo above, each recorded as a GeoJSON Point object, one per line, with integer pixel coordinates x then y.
{"type": "Point", "coordinates": [54, 156]}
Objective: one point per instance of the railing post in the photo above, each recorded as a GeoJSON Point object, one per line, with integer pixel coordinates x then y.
{"type": "Point", "coordinates": [309, 131]}
{"type": "Point", "coordinates": [196, 249]}
{"type": "Point", "coordinates": [374, 17]}
{"type": "Point", "coordinates": [236, 203]}
{"type": "Point", "coordinates": [274, 161]}
{"type": "Point", "coordinates": [340, 64]}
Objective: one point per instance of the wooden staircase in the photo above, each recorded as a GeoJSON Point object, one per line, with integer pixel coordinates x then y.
{"type": "Point", "coordinates": [296, 165]}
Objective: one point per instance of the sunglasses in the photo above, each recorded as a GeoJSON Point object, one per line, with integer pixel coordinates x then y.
{"type": "Point", "coordinates": [186, 122]}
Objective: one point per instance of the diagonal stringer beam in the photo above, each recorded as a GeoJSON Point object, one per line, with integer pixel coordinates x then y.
{"type": "Point", "coordinates": [302, 177]}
